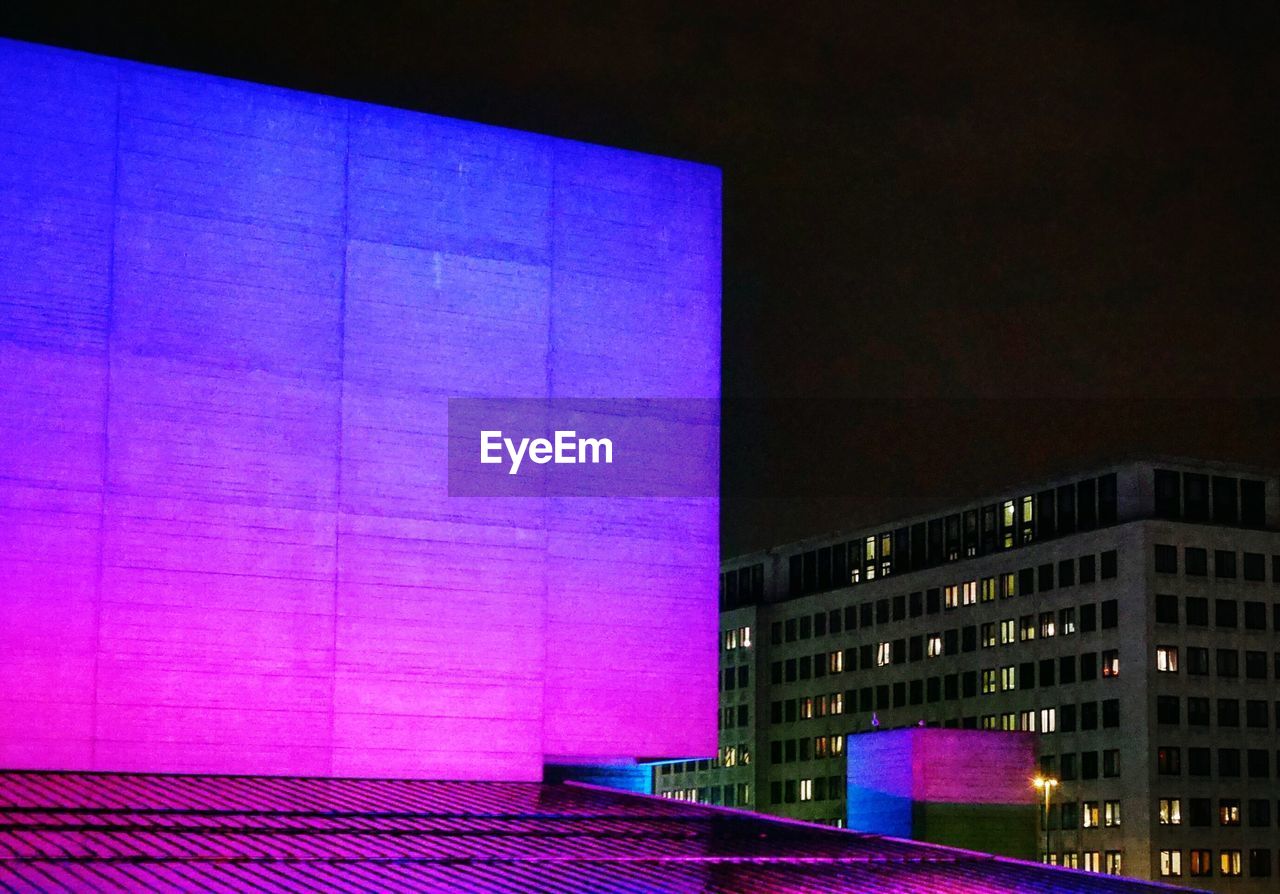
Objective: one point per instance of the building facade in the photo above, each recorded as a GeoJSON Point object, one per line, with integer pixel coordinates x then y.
{"type": "Point", "coordinates": [1128, 616]}
{"type": "Point", "coordinates": [233, 319]}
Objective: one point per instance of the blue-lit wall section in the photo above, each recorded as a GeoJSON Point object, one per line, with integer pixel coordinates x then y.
{"type": "Point", "coordinates": [231, 317]}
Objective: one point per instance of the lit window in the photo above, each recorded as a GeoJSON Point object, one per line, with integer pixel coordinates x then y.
{"type": "Point", "coordinates": [1091, 861]}
{"type": "Point", "coordinates": [951, 596]}
{"type": "Point", "coordinates": [1008, 678]}
{"type": "Point", "coordinates": [1201, 862]}
{"type": "Point", "coordinates": [988, 721]}
{"type": "Point", "coordinates": [1229, 812]}
{"type": "Point", "coordinates": [820, 746]}
{"type": "Point", "coordinates": [969, 592]}
{"type": "Point", "coordinates": [1008, 517]}
{"type": "Point", "coordinates": [1028, 519]}
{"type": "Point", "coordinates": [1009, 722]}
{"type": "Point", "coordinates": [1090, 815]}
{"type": "Point", "coordinates": [884, 654]}
{"type": "Point", "coordinates": [988, 589]}
{"type": "Point", "coordinates": [1048, 720]}
{"type": "Point", "coordinates": [1170, 811]}
{"type": "Point", "coordinates": [806, 789]}
{"type": "Point", "coordinates": [988, 680]}
{"type": "Point", "coordinates": [1167, 659]}
{"type": "Point", "coordinates": [837, 703]}
{"type": "Point", "coordinates": [1008, 631]}
{"type": "Point", "coordinates": [1229, 862]}
{"type": "Point", "coordinates": [730, 758]}
{"type": "Point", "coordinates": [1071, 860]}
{"type": "Point", "coordinates": [1113, 865]}
{"type": "Point", "coordinates": [1027, 721]}
{"type": "Point", "coordinates": [1026, 628]}
{"type": "Point", "coordinates": [745, 637]}
{"type": "Point", "coordinates": [835, 661]}
{"type": "Point", "coordinates": [1009, 585]}
{"type": "Point", "coordinates": [886, 553]}
{"type": "Point", "coordinates": [820, 706]}
{"type": "Point", "coordinates": [1067, 620]}
{"type": "Point", "coordinates": [1171, 863]}
{"type": "Point", "coordinates": [1111, 663]}
{"type": "Point", "coordinates": [1111, 813]}
{"type": "Point", "coordinates": [806, 709]}
{"type": "Point", "coordinates": [988, 635]}
{"type": "Point", "coordinates": [935, 645]}
{"type": "Point", "coordinates": [730, 640]}
{"type": "Point", "coordinates": [837, 745]}
{"type": "Point", "coordinates": [1047, 626]}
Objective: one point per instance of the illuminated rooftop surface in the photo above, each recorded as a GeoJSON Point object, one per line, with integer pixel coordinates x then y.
{"type": "Point", "coordinates": [111, 832]}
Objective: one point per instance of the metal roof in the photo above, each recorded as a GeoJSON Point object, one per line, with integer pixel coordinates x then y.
{"type": "Point", "coordinates": [127, 832]}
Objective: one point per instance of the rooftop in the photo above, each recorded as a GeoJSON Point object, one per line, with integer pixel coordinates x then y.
{"type": "Point", "coordinates": [122, 832]}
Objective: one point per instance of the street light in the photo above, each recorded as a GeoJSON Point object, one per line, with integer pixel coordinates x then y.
{"type": "Point", "coordinates": [1045, 784]}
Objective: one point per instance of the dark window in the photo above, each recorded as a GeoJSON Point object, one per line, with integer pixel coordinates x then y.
{"type": "Point", "coordinates": [1225, 613]}
{"type": "Point", "coordinates": [1110, 713]}
{"type": "Point", "coordinates": [915, 694]}
{"type": "Point", "coordinates": [806, 667]}
{"type": "Point", "coordinates": [866, 614]}
{"type": "Point", "coordinates": [1196, 561]}
{"type": "Point", "coordinates": [850, 617]}
{"type": "Point", "coordinates": [775, 673]}
{"type": "Point", "coordinates": [1199, 812]}
{"type": "Point", "coordinates": [915, 604]}
{"type": "Point", "coordinates": [882, 611]}
{"type": "Point", "coordinates": [824, 568]}
{"type": "Point", "coordinates": [1088, 715]}
{"type": "Point", "coordinates": [1168, 709]}
{"type": "Point", "coordinates": [1198, 761]}
{"type": "Point", "coordinates": [1168, 492]}
{"type": "Point", "coordinates": [1259, 812]}
{"type": "Point", "coordinates": [1224, 563]}
{"type": "Point", "coordinates": [1228, 712]}
{"type": "Point", "coordinates": [1166, 608]}
{"type": "Point", "coordinates": [1046, 516]}
{"type": "Point", "coordinates": [1226, 503]}
{"type": "Point", "coordinates": [1088, 666]}
{"type": "Point", "coordinates": [950, 642]}
{"type": "Point", "coordinates": [933, 689]}
{"type": "Point", "coordinates": [1255, 711]}
{"type": "Point", "coordinates": [951, 687]}
{"type": "Point", "coordinates": [1066, 509]}
{"type": "Point", "coordinates": [1067, 573]}
{"type": "Point", "coordinates": [916, 648]}
{"type": "Point", "coordinates": [1087, 504]}
{"type": "Point", "coordinates": [1255, 616]}
{"type": "Point", "coordinates": [1067, 719]}
{"type": "Point", "coordinates": [833, 620]}
{"type": "Point", "coordinates": [1109, 564]}
{"type": "Point", "coordinates": [1260, 862]}
{"type": "Point", "coordinates": [899, 608]}
{"type": "Point", "coordinates": [1197, 611]}
{"type": "Point", "coordinates": [899, 694]}
{"type": "Point", "coordinates": [882, 697]}
{"type": "Point", "coordinates": [918, 558]}
{"type": "Point", "coordinates": [1166, 558]}
{"type": "Point", "coordinates": [1027, 675]}
{"type": "Point", "coordinates": [1229, 762]}
{"type": "Point", "coordinates": [969, 683]}
{"type": "Point", "coordinates": [820, 624]}
{"type": "Point", "coordinates": [810, 571]}
{"type": "Point", "coordinates": [969, 638]}
{"type": "Point", "coordinates": [1110, 614]}
{"type": "Point", "coordinates": [1067, 669]}
{"type": "Point", "coordinates": [794, 576]}
{"type": "Point", "coordinates": [1195, 497]}
{"type": "Point", "coordinates": [775, 712]}
{"type": "Point", "coordinates": [1107, 499]}
{"type": "Point", "coordinates": [791, 630]}
{"type": "Point", "coordinates": [775, 633]}
{"type": "Point", "coordinates": [1197, 661]}
{"type": "Point", "coordinates": [1088, 570]}
{"type": "Point", "coordinates": [1253, 503]}
{"type": "Point", "coordinates": [806, 627]}
{"type": "Point", "coordinates": [1257, 762]}
{"type": "Point", "coordinates": [1197, 711]}
{"type": "Point", "coordinates": [743, 716]}
{"type": "Point", "coordinates": [865, 656]}
{"type": "Point", "coordinates": [1255, 665]}
{"type": "Point", "coordinates": [933, 601]}
{"type": "Point", "coordinates": [1048, 667]}
{"type": "Point", "coordinates": [1255, 566]}
{"type": "Point", "coordinates": [1069, 774]}
{"type": "Point", "coordinates": [1228, 663]}
{"type": "Point", "coordinates": [1088, 618]}
{"type": "Point", "coordinates": [1088, 765]}
{"type": "Point", "coordinates": [1111, 763]}
{"type": "Point", "coordinates": [1044, 575]}
{"type": "Point", "coordinates": [1026, 581]}
{"type": "Point", "coordinates": [840, 565]}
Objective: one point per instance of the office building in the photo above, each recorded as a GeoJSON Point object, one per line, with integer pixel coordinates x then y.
{"type": "Point", "coordinates": [1126, 615]}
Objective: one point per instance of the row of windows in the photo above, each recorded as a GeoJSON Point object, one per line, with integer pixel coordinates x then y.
{"type": "Point", "coordinates": [817, 788]}
{"type": "Point", "coordinates": [1231, 761]}
{"type": "Point", "coordinates": [735, 638]}
{"type": "Point", "coordinates": [1256, 812]}
{"type": "Point", "coordinates": [956, 640]}
{"type": "Point", "coordinates": [1226, 612]}
{"type": "Point", "coordinates": [1221, 499]}
{"type": "Point", "coordinates": [939, 599]}
{"type": "Point", "coordinates": [818, 748]}
{"type": "Point", "coordinates": [1084, 765]}
{"type": "Point", "coordinates": [981, 531]}
{"type": "Point", "coordinates": [1090, 861]}
{"type": "Point", "coordinates": [731, 795]}
{"type": "Point", "coordinates": [734, 716]}
{"type": "Point", "coordinates": [735, 678]}
{"type": "Point", "coordinates": [1195, 563]}
{"type": "Point", "coordinates": [742, 586]}
{"type": "Point", "coordinates": [1226, 662]}
{"type": "Point", "coordinates": [1200, 863]}
{"type": "Point", "coordinates": [1256, 712]}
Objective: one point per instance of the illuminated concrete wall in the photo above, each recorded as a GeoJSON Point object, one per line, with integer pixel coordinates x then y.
{"type": "Point", "coordinates": [230, 320]}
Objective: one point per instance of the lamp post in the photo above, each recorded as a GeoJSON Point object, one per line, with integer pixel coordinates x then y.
{"type": "Point", "coordinates": [1045, 784]}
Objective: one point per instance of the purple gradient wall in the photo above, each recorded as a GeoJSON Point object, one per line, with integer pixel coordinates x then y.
{"type": "Point", "coordinates": [230, 320]}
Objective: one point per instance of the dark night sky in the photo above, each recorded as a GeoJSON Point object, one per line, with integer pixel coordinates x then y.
{"type": "Point", "coordinates": [964, 244]}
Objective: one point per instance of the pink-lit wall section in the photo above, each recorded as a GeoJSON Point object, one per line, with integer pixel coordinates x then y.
{"type": "Point", "coordinates": [231, 317]}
